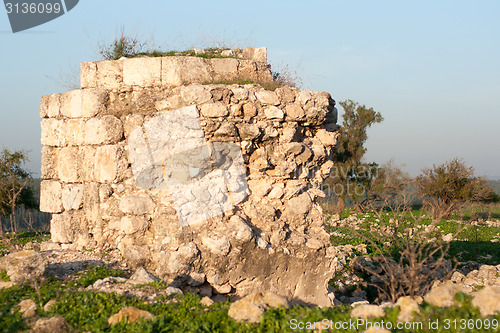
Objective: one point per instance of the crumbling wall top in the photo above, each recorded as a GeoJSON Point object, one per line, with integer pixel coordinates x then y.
{"type": "Point", "coordinates": [249, 64]}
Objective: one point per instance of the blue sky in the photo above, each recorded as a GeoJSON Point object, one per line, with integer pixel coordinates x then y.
{"type": "Point", "coordinates": [432, 68]}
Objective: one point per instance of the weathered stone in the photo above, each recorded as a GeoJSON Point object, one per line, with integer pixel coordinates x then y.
{"type": "Point", "coordinates": [295, 112]}
{"type": "Point", "coordinates": [49, 162]}
{"type": "Point", "coordinates": [104, 130]}
{"type": "Point", "coordinates": [255, 53]}
{"type": "Point", "coordinates": [94, 102]}
{"type": "Point", "coordinates": [239, 229]}
{"type": "Point", "coordinates": [71, 104]}
{"type": "Point", "coordinates": [142, 276]}
{"type": "Point", "coordinates": [72, 196]}
{"type": "Point", "coordinates": [51, 197]}
{"type": "Point", "coordinates": [129, 224]}
{"type": "Point", "coordinates": [144, 72]}
{"type": "Point", "coordinates": [251, 307]}
{"type": "Point", "coordinates": [443, 295]}
{"type": "Point", "coordinates": [88, 75]}
{"type": "Point", "coordinates": [106, 163]}
{"type": "Point", "coordinates": [75, 132]}
{"type": "Point", "coordinates": [248, 131]}
{"type": "Point", "coordinates": [109, 74]}
{"type": "Point", "coordinates": [28, 308]}
{"type": "Point", "coordinates": [68, 164]}
{"type": "Point", "coordinates": [53, 132]}
{"type": "Point", "coordinates": [206, 301]}
{"type": "Point", "coordinates": [137, 205]}
{"type": "Point", "coordinates": [24, 265]}
{"type": "Point", "coordinates": [224, 69]}
{"type": "Point", "coordinates": [366, 311]}
{"type": "Point", "coordinates": [249, 110]}
{"type": "Point", "coordinates": [267, 97]}
{"type": "Point", "coordinates": [219, 246]}
{"type": "Point", "coordinates": [131, 314]}
{"type": "Point", "coordinates": [328, 139]}
{"type": "Point", "coordinates": [49, 305]}
{"type": "Point", "coordinates": [488, 301]}
{"type": "Point", "coordinates": [407, 308]}
{"type": "Point", "coordinates": [177, 71]}
{"type": "Point", "coordinates": [214, 110]}
{"type": "Point", "coordinates": [56, 324]}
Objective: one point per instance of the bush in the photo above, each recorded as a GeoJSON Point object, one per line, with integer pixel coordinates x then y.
{"type": "Point", "coordinates": [447, 186]}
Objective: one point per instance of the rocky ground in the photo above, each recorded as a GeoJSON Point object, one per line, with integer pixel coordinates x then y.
{"type": "Point", "coordinates": [35, 262]}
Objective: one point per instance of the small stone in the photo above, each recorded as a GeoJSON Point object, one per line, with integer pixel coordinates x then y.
{"type": "Point", "coordinates": [142, 276]}
{"type": "Point", "coordinates": [219, 246]}
{"type": "Point", "coordinates": [56, 324]}
{"type": "Point", "coordinates": [173, 291]}
{"type": "Point", "coordinates": [444, 295]}
{"type": "Point", "coordinates": [27, 308]}
{"type": "Point", "coordinates": [407, 307]}
{"type": "Point", "coordinates": [267, 97]}
{"type": "Point", "coordinates": [6, 284]}
{"type": "Point", "coordinates": [49, 305]}
{"type": "Point", "coordinates": [24, 265]}
{"type": "Point", "coordinates": [130, 314]}
{"type": "Point", "coordinates": [273, 112]}
{"type": "Point", "coordinates": [252, 306]}
{"type": "Point", "coordinates": [214, 110]}
{"type": "Point", "coordinates": [206, 301]}
{"type": "Point", "coordinates": [366, 311]}
{"type": "Point", "coordinates": [488, 301]}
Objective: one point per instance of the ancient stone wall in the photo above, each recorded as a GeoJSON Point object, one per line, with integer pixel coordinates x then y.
{"type": "Point", "coordinates": [213, 186]}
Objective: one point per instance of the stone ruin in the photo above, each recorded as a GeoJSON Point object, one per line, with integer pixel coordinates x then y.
{"type": "Point", "coordinates": [208, 181]}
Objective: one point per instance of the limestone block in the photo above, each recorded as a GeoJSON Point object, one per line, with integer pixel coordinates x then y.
{"type": "Point", "coordinates": [109, 74]}
{"type": "Point", "coordinates": [327, 138]}
{"type": "Point", "coordinates": [273, 112]}
{"type": "Point", "coordinates": [88, 75]}
{"type": "Point", "coordinates": [224, 69]}
{"type": "Point", "coordinates": [239, 229]}
{"type": "Point", "coordinates": [195, 94]}
{"type": "Point", "coordinates": [91, 202]}
{"type": "Point", "coordinates": [72, 196]}
{"type": "Point", "coordinates": [295, 112]}
{"type": "Point", "coordinates": [65, 227]}
{"type": "Point", "coordinates": [255, 53]}
{"type": "Point", "coordinates": [144, 72]}
{"type": "Point", "coordinates": [247, 70]}
{"type": "Point", "coordinates": [44, 106]}
{"type": "Point", "coordinates": [75, 132]}
{"type": "Point", "coordinates": [267, 97]}
{"type": "Point", "coordinates": [137, 205]}
{"type": "Point", "coordinates": [249, 110]}
{"type": "Point", "coordinates": [106, 163]}
{"type": "Point", "coordinates": [68, 164]}
{"type": "Point", "coordinates": [93, 102]}
{"type": "Point", "coordinates": [218, 246]}
{"type": "Point", "coordinates": [51, 196]}
{"type": "Point", "coordinates": [195, 70]}
{"type": "Point", "coordinates": [87, 165]}
{"type": "Point", "coordinates": [128, 224]}
{"type": "Point", "coordinates": [248, 132]}
{"type": "Point", "coordinates": [71, 104]}
{"type": "Point", "coordinates": [240, 93]}
{"type": "Point", "coordinates": [214, 110]}
{"type": "Point", "coordinates": [177, 71]}
{"type": "Point", "coordinates": [105, 130]}
{"type": "Point", "coordinates": [54, 106]}
{"type": "Point", "coordinates": [49, 162]}
{"type": "Point", "coordinates": [53, 132]}
{"type": "Point", "coordinates": [131, 121]}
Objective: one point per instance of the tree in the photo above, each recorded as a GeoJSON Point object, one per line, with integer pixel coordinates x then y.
{"type": "Point", "coordinates": [445, 187]}
{"type": "Point", "coordinates": [350, 174]}
{"type": "Point", "coordinates": [14, 189]}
